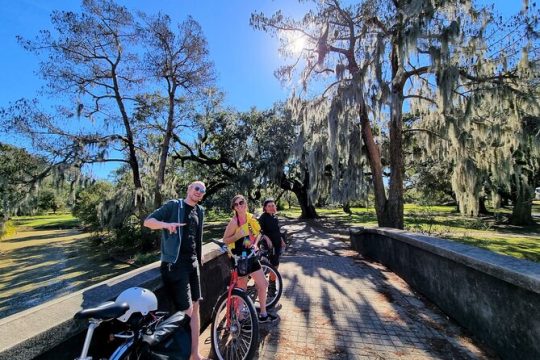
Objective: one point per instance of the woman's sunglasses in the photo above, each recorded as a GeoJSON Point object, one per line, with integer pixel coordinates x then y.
{"type": "Point", "coordinates": [240, 203]}
{"type": "Point", "coordinates": [199, 189]}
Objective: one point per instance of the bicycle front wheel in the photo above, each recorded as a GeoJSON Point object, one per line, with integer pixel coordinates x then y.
{"type": "Point", "coordinates": [235, 333]}
{"type": "Point", "coordinates": [275, 289]}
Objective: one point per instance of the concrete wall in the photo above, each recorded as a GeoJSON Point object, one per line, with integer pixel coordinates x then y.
{"type": "Point", "coordinates": [494, 296]}
{"type": "Point", "coordinates": [48, 331]}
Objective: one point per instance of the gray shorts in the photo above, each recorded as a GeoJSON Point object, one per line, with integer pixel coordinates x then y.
{"type": "Point", "coordinates": [182, 283]}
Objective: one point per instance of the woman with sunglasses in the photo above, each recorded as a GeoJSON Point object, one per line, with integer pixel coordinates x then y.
{"type": "Point", "coordinates": [241, 236]}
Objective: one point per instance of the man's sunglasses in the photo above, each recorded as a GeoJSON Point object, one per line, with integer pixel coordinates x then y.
{"type": "Point", "coordinates": [199, 189]}
{"type": "Point", "coordinates": [240, 203]}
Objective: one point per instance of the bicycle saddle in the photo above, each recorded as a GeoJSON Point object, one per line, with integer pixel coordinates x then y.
{"type": "Point", "coordinates": [105, 311]}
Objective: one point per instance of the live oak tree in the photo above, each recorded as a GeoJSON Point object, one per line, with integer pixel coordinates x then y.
{"type": "Point", "coordinates": [486, 121]}
{"type": "Point", "coordinates": [30, 182]}
{"type": "Point", "coordinates": [379, 52]}
{"type": "Point", "coordinates": [20, 174]}
{"type": "Point", "coordinates": [246, 152]}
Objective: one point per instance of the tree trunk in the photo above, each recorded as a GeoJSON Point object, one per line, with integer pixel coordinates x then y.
{"type": "Point", "coordinates": [165, 145]}
{"type": "Point", "coordinates": [389, 211]}
{"type": "Point", "coordinates": [374, 157]}
{"type": "Point", "coordinates": [522, 210]}
{"type": "Point", "coordinates": [308, 210]}
{"type": "Point", "coordinates": [496, 200]}
{"type": "Point", "coordinates": [482, 209]}
{"type": "Point", "coordinates": [300, 190]}
{"type": "Point", "coordinates": [394, 206]}
{"type": "Point", "coordinates": [132, 154]}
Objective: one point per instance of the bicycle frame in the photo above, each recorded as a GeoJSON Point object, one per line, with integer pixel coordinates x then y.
{"type": "Point", "coordinates": [118, 353]}
{"type": "Point", "coordinates": [88, 339]}
{"type": "Point", "coordinates": [232, 285]}
{"type": "Point", "coordinates": [234, 318]}
{"type": "Point", "coordinates": [131, 336]}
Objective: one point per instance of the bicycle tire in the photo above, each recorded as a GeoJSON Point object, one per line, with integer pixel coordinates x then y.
{"type": "Point", "coordinates": [242, 341]}
{"type": "Point", "coordinates": [271, 301]}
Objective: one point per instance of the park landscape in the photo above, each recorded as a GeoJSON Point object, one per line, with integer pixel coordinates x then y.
{"type": "Point", "coordinates": [416, 115]}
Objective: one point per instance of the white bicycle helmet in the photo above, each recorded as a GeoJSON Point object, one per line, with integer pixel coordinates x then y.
{"type": "Point", "coordinates": [140, 300]}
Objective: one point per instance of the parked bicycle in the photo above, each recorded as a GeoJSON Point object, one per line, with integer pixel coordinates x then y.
{"type": "Point", "coordinates": [235, 325]}
{"type": "Point", "coordinates": [274, 292]}
{"type": "Point", "coordinates": [145, 333]}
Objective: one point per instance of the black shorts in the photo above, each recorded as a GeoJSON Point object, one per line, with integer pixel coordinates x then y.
{"type": "Point", "coordinates": [254, 265]}
{"type": "Point", "coordinates": [182, 283]}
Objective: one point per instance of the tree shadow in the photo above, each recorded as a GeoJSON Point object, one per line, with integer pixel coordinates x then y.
{"type": "Point", "coordinates": [348, 306]}
{"type": "Point", "coordinates": [49, 268]}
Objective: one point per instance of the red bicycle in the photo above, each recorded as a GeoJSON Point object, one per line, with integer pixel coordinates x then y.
{"type": "Point", "coordinates": [235, 326]}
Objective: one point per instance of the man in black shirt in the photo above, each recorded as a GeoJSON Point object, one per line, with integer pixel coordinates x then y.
{"type": "Point", "coordinates": [181, 222]}
{"type": "Point", "coordinates": [272, 235]}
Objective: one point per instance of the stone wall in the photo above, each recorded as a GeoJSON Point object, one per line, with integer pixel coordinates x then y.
{"type": "Point", "coordinates": [495, 297]}
{"type": "Point", "coordinates": [48, 331]}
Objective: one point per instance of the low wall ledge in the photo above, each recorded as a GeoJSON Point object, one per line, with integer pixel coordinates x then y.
{"type": "Point", "coordinates": [515, 271]}
{"type": "Point", "coordinates": [32, 332]}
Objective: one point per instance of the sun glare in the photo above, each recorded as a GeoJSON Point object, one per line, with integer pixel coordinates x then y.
{"type": "Point", "coordinates": [296, 43]}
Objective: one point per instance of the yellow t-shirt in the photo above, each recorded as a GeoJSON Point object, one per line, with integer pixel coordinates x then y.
{"type": "Point", "coordinates": [251, 227]}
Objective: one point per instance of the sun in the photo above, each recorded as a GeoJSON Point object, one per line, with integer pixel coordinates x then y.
{"type": "Point", "coordinates": [296, 43]}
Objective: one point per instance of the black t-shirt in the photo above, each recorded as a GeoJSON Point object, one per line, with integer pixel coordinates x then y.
{"type": "Point", "coordinates": [270, 227]}
{"type": "Point", "coordinates": [188, 249]}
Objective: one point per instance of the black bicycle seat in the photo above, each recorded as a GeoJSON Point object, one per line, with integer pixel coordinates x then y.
{"type": "Point", "coordinates": [105, 311]}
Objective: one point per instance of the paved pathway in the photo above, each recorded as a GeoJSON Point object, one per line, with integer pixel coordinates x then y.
{"type": "Point", "coordinates": [336, 305]}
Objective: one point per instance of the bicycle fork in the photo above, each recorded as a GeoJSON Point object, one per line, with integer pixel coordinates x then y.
{"type": "Point", "coordinates": [229, 301]}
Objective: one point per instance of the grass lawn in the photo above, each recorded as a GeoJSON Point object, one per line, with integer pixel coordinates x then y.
{"type": "Point", "coordinates": [48, 221]}
{"type": "Point", "coordinates": [444, 221]}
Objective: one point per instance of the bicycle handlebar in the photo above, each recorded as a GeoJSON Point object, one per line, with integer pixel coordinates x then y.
{"type": "Point", "coordinates": [225, 248]}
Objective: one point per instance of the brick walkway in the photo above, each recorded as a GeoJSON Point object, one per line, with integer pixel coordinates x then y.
{"type": "Point", "coordinates": [336, 305]}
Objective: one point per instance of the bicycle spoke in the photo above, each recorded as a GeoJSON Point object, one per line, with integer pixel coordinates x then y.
{"type": "Point", "coordinates": [244, 343]}
{"type": "Point", "coordinates": [238, 351]}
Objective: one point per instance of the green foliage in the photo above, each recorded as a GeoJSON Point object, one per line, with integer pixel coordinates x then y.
{"type": "Point", "coordinates": [97, 62]}
{"type": "Point", "coordinates": [7, 228]}
{"type": "Point", "coordinates": [132, 237]}
{"type": "Point", "coordinates": [217, 215]}
{"type": "Point", "coordinates": [17, 170]}
{"type": "Point", "coordinates": [87, 204]}
{"type": "Point", "coordinates": [30, 184]}
{"type": "Point", "coordinates": [237, 152]}
{"type": "Point", "coordinates": [48, 200]}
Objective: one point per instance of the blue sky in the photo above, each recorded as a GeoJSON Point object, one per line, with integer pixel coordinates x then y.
{"type": "Point", "coordinates": [245, 59]}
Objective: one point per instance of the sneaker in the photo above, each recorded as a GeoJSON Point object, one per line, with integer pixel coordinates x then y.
{"type": "Point", "coordinates": [266, 319]}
